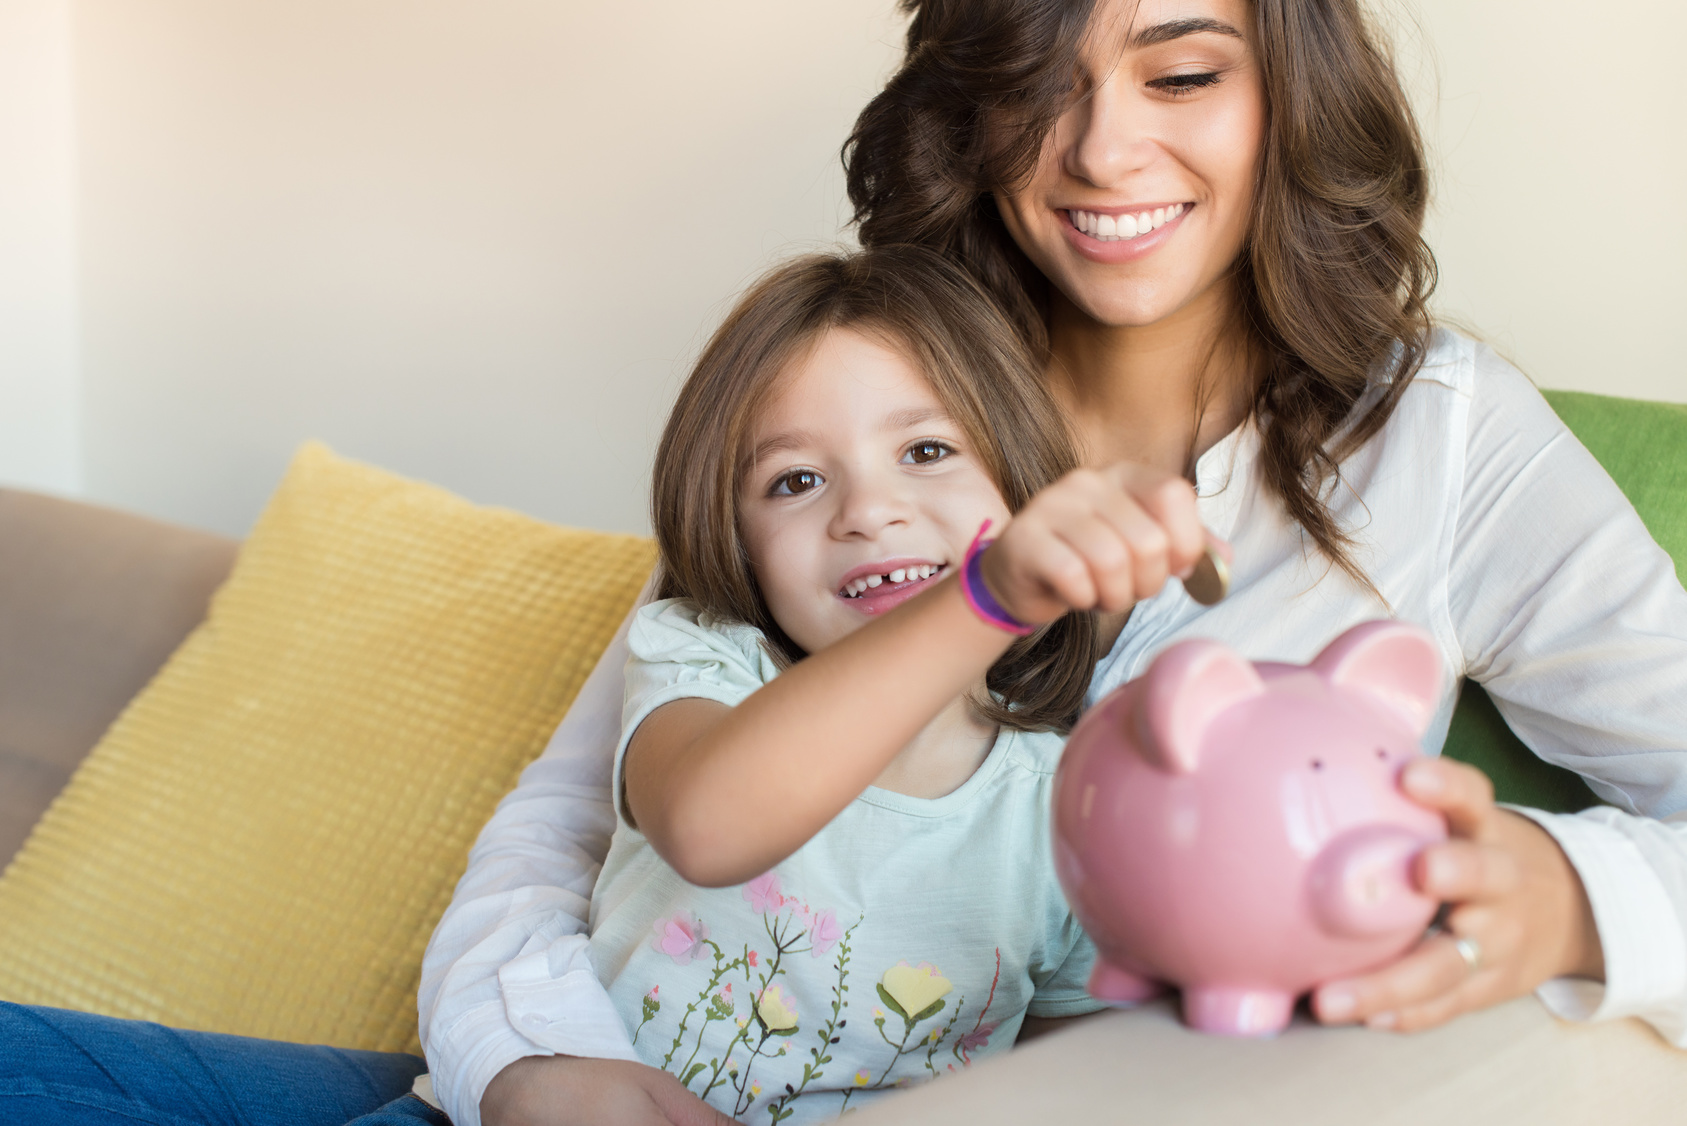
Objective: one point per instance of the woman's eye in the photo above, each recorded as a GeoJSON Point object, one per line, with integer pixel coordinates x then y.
{"type": "Point", "coordinates": [923, 453]}
{"type": "Point", "coordinates": [1175, 84]}
{"type": "Point", "coordinates": [796, 482]}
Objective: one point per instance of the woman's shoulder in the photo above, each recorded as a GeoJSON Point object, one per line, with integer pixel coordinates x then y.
{"type": "Point", "coordinates": [1473, 369]}
{"type": "Point", "coordinates": [1494, 397]}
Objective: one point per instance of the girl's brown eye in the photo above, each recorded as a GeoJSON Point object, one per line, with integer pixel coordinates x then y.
{"type": "Point", "coordinates": [923, 453]}
{"type": "Point", "coordinates": [797, 482]}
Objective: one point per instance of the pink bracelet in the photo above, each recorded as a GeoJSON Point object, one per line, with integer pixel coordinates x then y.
{"type": "Point", "coordinates": [978, 595]}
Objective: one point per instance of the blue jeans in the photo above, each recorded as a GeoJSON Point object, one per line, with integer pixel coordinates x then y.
{"type": "Point", "coordinates": [59, 1068]}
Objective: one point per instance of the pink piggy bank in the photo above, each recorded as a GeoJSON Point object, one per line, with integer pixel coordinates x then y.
{"type": "Point", "coordinates": [1238, 829]}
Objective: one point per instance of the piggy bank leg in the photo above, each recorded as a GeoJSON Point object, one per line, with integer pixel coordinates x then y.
{"type": "Point", "coordinates": [1230, 1011]}
{"type": "Point", "coordinates": [1120, 987]}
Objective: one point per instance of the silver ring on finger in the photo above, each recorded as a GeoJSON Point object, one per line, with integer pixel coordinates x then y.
{"type": "Point", "coordinates": [1471, 951]}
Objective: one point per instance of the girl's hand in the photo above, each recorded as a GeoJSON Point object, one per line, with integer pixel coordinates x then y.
{"type": "Point", "coordinates": [1097, 539]}
{"type": "Point", "coordinates": [574, 1091]}
{"type": "Point", "coordinates": [1510, 890]}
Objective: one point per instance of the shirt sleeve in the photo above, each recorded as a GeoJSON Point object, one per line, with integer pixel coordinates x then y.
{"type": "Point", "coordinates": [1573, 619]}
{"type": "Point", "coordinates": [1065, 991]}
{"type": "Point", "coordinates": [506, 974]}
{"type": "Point", "coordinates": [678, 652]}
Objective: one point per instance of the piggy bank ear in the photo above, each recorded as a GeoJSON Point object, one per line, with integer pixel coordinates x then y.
{"type": "Point", "coordinates": [1189, 686]}
{"type": "Point", "coordinates": [1391, 662]}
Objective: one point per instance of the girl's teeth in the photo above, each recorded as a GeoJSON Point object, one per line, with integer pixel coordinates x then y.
{"type": "Point", "coordinates": [856, 587]}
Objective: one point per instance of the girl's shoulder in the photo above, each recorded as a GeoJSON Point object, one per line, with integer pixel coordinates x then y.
{"type": "Point", "coordinates": [678, 631]}
{"type": "Point", "coordinates": [1035, 752]}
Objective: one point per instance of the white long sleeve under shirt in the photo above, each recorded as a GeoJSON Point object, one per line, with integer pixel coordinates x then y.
{"type": "Point", "coordinates": [1477, 515]}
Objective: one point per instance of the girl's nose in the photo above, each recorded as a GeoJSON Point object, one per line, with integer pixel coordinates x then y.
{"type": "Point", "coordinates": [1104, 136]}
{"type": "Point", "coordinates": [867, 507]}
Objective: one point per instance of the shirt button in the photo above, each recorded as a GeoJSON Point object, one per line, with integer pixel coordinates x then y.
{"type": "Point", "coordinates": [534, 1020]}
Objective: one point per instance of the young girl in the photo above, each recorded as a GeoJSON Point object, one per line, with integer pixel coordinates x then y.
{"type": "Point", "coordinates": [831, 873]}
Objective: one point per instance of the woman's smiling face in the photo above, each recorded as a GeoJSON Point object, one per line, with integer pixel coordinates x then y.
{"type": "Point", "coordinates": [1144, 190]}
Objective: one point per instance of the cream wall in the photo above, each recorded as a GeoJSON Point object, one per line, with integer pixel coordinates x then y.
{"type": "Point", "coordinates": [39, 405]}
{"type": "Point", "coordinates": [1559, 143]}
{"type": "Point", "coordinates": [477, 240]}
{"type": "Point", "coordinates": [470, 241]}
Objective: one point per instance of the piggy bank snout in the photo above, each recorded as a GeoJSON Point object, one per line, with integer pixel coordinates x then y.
{"type": "Point", "coordinates": [1361, 884]}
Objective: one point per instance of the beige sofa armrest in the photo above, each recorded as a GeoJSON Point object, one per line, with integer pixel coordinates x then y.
{"type": "Point", "coordinates": [92, 601]}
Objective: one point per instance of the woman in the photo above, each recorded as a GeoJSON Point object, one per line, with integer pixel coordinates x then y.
{"type": "Point", "coordinates": [1207, 214]}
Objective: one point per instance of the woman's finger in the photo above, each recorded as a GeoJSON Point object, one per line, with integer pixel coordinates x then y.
{"type": "Point", "coordinates": [1461, 793]}
{"type": "Point", "coordinates": [1437, 1010]}
{"type": "Point", "coordinates": [1433, 968]}
{"type": "Point", "coordinates": [1459, 871]}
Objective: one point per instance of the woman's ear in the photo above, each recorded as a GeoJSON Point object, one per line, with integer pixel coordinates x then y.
{"type": "Point", "coordinates": [1190, 685]}
{"type": "Point", "coordinates": [1393, 663]}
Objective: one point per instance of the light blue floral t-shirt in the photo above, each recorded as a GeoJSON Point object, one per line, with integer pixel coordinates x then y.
{"type": "Point", "coordinates": [908, 938]}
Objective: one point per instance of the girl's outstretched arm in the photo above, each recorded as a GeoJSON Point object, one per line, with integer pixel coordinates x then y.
{"type": "Point", "coordinates": [817, 736]}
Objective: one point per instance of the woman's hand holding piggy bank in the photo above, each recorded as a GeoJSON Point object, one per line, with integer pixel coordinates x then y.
{"type": "Point", "coordinates": [1238, 829]}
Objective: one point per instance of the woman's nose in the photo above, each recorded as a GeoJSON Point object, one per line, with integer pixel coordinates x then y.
{"type": "Point", "coordinates": [1104, 136]}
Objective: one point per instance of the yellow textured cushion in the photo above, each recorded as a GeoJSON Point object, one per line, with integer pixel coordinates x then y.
{"type": "Point", "coordinates": [264, 840]}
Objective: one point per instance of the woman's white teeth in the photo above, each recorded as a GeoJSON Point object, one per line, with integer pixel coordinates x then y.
{"type": "Point", "coordinates": [855, 587]}
{"type": "Point", "coordinates": [1112, 228]}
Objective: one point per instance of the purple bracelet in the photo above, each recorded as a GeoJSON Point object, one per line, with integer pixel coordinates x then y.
{"type": "Point", "coordinates": [978, 595]}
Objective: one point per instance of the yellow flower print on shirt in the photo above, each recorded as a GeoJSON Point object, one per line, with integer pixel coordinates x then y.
{"type": "Point", "coordinates": [911, 990]}
{"type": "Point", "coordinates": [778, 1012]}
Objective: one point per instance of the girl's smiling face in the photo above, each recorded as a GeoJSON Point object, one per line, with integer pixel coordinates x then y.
{"type": "Point", "coordinates": [1142, 196]}
{"type": "Point", "coordinates": [860, 489]}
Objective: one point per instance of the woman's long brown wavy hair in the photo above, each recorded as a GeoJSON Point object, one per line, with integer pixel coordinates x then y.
{"type": "Point", "coordinates": [1333, 284]}
{"type": "Point", "coordinates": [978, 365]}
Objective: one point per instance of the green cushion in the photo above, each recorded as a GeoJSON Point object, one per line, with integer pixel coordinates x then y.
{"type": "Point", "coordinates": [1644, 448]}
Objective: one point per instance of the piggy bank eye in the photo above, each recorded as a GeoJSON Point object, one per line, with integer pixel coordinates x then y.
{"type": "Point", "coordinates": [1317, 764]}
{"type": "Point", "coordinates": [1382, 753]}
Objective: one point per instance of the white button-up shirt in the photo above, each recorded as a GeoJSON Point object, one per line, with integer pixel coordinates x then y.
{"type": "Point", "coordinates": [1476, 514]}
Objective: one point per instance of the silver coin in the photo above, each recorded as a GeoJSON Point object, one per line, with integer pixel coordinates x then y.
{"type": "Point", "coordinates": [1210, 581]}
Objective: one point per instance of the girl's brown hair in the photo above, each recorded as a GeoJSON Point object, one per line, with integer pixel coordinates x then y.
{"type": "Point", "coordinates": [981, 371]}
{"type": "Point", "coordinates": [1334, 282]}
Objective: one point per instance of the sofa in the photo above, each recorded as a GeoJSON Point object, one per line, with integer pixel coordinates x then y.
{"type": "Point", "coordinates": [97, 606]}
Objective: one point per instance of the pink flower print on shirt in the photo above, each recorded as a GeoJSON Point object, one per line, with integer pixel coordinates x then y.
{"type": "Point", "coordinates": [680, 937]}
{"type": "Point", "coordinates": [976, 1039]}
{"type": "Point", "coordinates": [763, 893]}
{"type": "Point", "coordinates": [753, 958]}
{"type": "Point", "coordinates": [823, 933]}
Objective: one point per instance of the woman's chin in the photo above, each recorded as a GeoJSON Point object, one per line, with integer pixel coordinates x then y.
{"type": "Point", "coordinates": [1123, 306]}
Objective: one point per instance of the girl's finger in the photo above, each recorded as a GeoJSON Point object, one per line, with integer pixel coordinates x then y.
{"type": "Point", "coordinates": [1148, 542]}
{"type": "Point", "coordinates": [1047, 567]}
{"type": "Point", "coordinates": [1461, 793]}
{"type": "Point", "coordinates": [1108, 557]}
{"type": "Point", "coordinates": [1458, 871]}
{"type": "Point", "coordinates": [1170, 502]}
{"type": "Point", "coordinates": [1433, 968]}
